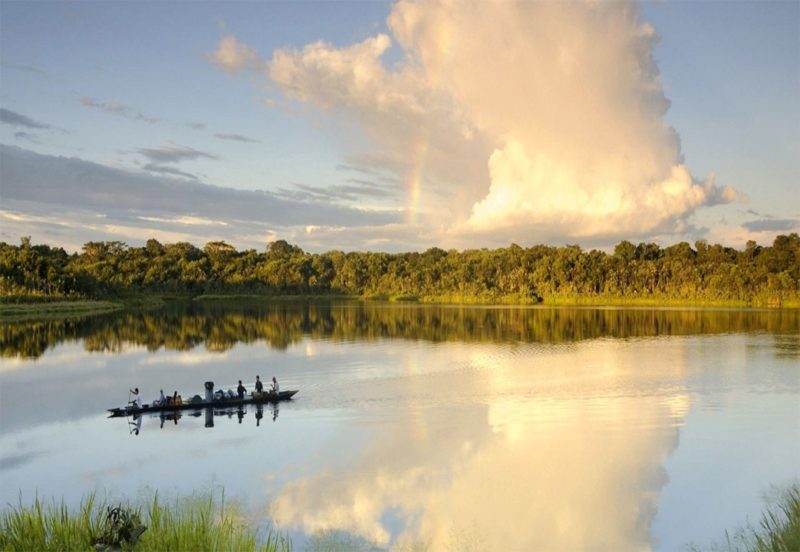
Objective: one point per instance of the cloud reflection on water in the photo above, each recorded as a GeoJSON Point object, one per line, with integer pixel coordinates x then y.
{"type": "Point", "coordinates": [456, 427]}
{"type": "Point", "coordinates": [535, 466]}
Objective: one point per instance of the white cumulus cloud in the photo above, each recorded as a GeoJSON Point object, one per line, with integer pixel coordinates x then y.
{"type": "Point", "coordinates": [233, 57]}
{"type": "Point", "coordinates": [525, 121]}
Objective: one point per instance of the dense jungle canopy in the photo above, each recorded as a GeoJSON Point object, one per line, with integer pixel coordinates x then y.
{"type": "Point", "coordinates": [762, 275]}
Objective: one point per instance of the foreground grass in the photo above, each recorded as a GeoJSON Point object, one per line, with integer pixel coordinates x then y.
{"type": "Point", "coordinates": [778, 531]}
{"type": "Point", "coordinates": [196, 523]}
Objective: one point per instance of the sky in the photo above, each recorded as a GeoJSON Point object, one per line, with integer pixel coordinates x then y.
{"type": "Point", "coordinates": [399, 126]}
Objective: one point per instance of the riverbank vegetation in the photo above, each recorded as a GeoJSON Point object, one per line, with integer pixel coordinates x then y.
{"type": "Point", "coordinates": [633, 274]}
{"type": "Point", "coordinates": [195, 523]}
{"type": "Point", "coordinates": [778, 530]}
{"type": "Point", "coordinates": [203, 523]}
{"type": "Point", "coordinates": [44, 310]}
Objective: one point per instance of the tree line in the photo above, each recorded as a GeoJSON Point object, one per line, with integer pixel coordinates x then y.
{"type": "Point", "coordinates": [703, 272]}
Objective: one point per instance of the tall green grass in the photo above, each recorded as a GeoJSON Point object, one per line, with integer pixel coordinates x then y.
{"type": "Point", "coordinates": [199, 523]}
{"type": "Point", "coordinates": [777, 531]}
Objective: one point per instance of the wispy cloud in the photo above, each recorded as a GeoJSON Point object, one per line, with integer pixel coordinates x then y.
{"type": "Point", "coordinates": [197, 125]}
{"type": "Point", "coordinates": [156, 168]}
{"type": "Point", "coordinates": [771, 225]}
{"type": "Point", "coordinates": [117, 108]}
{"type": "Point", "coordinates": [21, 135]}
{"type": "Point", "coordinates": [185, 220]}
{"type": "Point", "coordinates": [18, 119]}
{"type": "Point", "coordinates": [174, 153]}
{"type": "Point", "coordinates": [237, 138]}
{"type": "Point", "coordinates": [26, 69]}
{"type": "Point", "coordinates": [339, 192]}
{"type": "Point", "coordinates": [100, 202]}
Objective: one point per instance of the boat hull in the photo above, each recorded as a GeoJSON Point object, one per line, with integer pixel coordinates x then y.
{"type": "Point", "coordinates": [222, 403]}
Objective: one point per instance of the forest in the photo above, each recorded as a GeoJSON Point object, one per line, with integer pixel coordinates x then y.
{"type": "Point", "coordinates": [682, 273]}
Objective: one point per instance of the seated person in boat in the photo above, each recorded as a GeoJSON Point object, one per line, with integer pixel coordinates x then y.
{"type": "Point", "coordinates": [176, 399]}
{"type": "Point", "coordinates": [275, 387]}
{"type": "Point", "coordinates": [259, 385]}
{"type": "Point", "coordinates": [241, 390]}
{"type": "Point", "coordinates": [160, 401]}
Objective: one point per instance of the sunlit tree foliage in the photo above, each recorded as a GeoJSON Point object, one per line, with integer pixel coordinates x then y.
{"type": "Point", "coordinates": [703, 272]}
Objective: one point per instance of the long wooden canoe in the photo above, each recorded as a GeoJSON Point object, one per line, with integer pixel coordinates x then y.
{"type": "Point", "coordinates": [253, 398]}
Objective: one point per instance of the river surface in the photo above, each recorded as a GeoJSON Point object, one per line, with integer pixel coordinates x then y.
{"type": "Point", "coordinates": [446, 427]}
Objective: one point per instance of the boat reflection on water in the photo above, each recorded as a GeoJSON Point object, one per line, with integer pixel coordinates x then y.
{"type": "Point", "coordinates": [209, 413]}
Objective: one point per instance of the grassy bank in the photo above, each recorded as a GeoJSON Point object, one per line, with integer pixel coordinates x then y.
{"type": "Point", "coordinates": [665, 301]}
{"type": "Point", "coordinates": [203, 523]}
{"type": "Point", "coordinates": [266, 297]}
{"type": "Point", "coordinates": [514, 299]}
{"type": "Point", "coordinates": [195, 523]}
{"type": "Point", "coordinates": [18, 308]}
{"type": "Point", "coordinates": [56, 309]}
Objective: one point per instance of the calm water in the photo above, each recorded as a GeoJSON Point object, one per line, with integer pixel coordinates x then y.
{"type": "Point", "coordinates": [456, 427]}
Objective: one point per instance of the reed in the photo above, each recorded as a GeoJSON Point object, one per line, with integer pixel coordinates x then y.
{"type": "Point", "coordinates": [195, 523]}
{"type": "Point", "coordinates": [780, 525]}
{"type": "Point", "coordinates": [778, 530]}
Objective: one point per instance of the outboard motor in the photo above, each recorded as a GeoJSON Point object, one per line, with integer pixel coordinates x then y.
{"type": "Point", "coordinates": [209, 391]}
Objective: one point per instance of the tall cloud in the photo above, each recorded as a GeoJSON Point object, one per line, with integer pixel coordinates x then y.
{"type": "Point", "coordinates": [560, 105]}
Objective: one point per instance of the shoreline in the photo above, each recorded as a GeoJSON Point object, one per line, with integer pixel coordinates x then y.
{"type": "Point", "coordinates": [67, 308]}
{"type": "Point", "coordinates": [55, 310]}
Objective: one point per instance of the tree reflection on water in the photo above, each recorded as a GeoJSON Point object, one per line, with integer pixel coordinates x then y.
{"type": "Point", "coordinates": [280, 324]}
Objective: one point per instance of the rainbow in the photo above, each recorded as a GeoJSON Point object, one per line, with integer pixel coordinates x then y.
{"type": "Point", "coordinates": [435, 70]}
{"type": "Point", "coordinates": [419, 155]}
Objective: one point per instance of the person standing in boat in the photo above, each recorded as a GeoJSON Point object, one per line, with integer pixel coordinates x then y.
{"type": "Point", "coordinates": [135, 400]}
{"type": "Point", "coordinates": [259, 385]}
{"type": "Point", "coordinates": [275, 387]}
{"type": "Point", "coordinates": [241, 390]}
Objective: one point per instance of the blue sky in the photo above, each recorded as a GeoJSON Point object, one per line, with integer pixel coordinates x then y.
{"type": "Point", "coordinates": [399, 126]}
